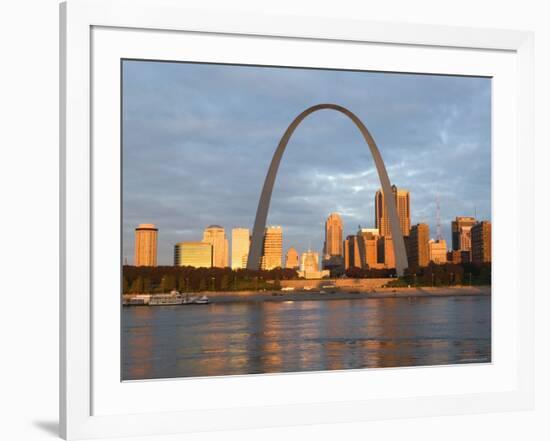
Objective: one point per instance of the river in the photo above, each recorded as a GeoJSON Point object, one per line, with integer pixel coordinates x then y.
{"type": "Point", "coordinates": [293, 336]}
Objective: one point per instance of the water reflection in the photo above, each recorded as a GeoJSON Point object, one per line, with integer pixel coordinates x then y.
{"type": "Point", "coordinates": [243, 338]}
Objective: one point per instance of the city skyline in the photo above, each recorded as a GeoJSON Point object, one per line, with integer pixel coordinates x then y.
{"type": "Point", "coordinates": [378, 251]}
{"type": "Point", "coordinates": [164, 155]}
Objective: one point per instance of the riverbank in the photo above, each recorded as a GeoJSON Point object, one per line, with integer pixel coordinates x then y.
{"type": "Point", "coordinates": [336, 294]}
{"type": "Point", "coordinates": [274, 296]}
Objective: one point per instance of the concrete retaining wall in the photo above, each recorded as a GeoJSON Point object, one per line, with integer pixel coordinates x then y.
{"type": "Point", "coordinates": [351, 284]}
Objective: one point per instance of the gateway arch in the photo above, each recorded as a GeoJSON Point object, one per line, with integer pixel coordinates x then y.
{"type": "Point", "coordinates": [256, 245]}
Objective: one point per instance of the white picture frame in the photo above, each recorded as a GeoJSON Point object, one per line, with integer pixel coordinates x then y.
{"type": "Point", "coordinates": [81, 377]}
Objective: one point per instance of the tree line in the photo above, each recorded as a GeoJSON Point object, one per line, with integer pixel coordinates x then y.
{"type": "Point", "coordinates": [163, 279]}
{"type": "Point", "coordinates": [446, 274]}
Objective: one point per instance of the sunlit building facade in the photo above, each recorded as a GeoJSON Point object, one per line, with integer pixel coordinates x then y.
{"type": "Point", "coordinates": [402, 199]}
{"type": "Point", "coordinates": [481, 242]}
{"type": "Point", "coordinates": [145, 252]}
{"type": "Point", "coordinates": [215, 236]}
{"type": "Point", "coordinates": [309, 266]}
{"type": "Point", "coordinates": [195, 254]}
{"type": "Point", "coordinates": [419, 251]}
{"type": "Point", "coordinates": [272, 255]}
{"type": "Point", "coordinates": [240, 244]}
{"type": "Point", "coordinates": [386, 255]}
{"type": "Point", "coordinates": [437, 251]}
{"type": "Point", "coordinates": [334, 230]}
{"type": "Point", "coordinates": [309, 261]}
{"type": "Point", "coordinates": [292, 260]}
{"type": "Point", "coordinates": [461, 232]}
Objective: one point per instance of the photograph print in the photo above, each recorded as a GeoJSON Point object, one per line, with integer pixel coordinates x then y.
{"type": "Point", "coordinates": [285, 219]}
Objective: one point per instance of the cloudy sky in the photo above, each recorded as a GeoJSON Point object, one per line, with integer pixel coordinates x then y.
{"type": "Point", "coordinates": [198, 139]}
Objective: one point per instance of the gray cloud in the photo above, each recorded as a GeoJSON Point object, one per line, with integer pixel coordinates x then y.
{"type": "Point", "coordinates": [198, 140]}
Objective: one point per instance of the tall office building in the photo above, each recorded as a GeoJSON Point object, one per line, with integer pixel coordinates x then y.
{"type": "Point", "coordinates": [419, 251]}
{"type": "Point", "coordinates": [145, 252]}
{"type": "Point", "coordinates": [481, 242]}
{"type": "Point", "coordinates": [240, 243]}
{"type": "Point", "coordinates": [195, 254]}
{"type": "Point", "coordinates": [292, 261]}
{"type": "Point", "coordinates": [215, 236]}
{"type": "Point", "coordinates": [437, 251]}
{"type": "Point", "coordinates": [272, 256]}
{"type": "Point", "coordinates": [402, 199]}
{"type": "Point", "coordinates": [333, 249]}
{"type": "Point", "coordinates": [334, 228]}
{"type": "Point", "coordinates": [461, 232]}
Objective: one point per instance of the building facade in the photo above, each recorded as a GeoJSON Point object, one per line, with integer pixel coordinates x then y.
{"type": "Point", "coordinates": [334, 230]}
{"type": "Point", "coordinates": [145, 251]}
{"type": "Point", "coordinates": [215, 236]}
{"type": "Point", "coordinates": [481, 242]}
{"type": "Point", "coordinates": [240, 244]}
{"type": "Point", "coordinates": [438, 251]}
{"type": "Point", "coordinates": [419, 252]}
{"type": "Point", "coordinates": [386, 255]}
{"type": "Point", "coordinates": [195, 254]}
{"type": "Point", "coordinates": [461, 232]}
{"type": "Point", "coordinates": [368, 248]}
{"type": "Point", "coordinates": [361, 250]}
{"type": "Point", "coordinates": [402, 199]}
{"type": "Point", "coordinates": [292, 260]}
{"type": "Point", "coordinates": [309, 266]}
{"type": "Point", "coordinates": [272, 255]}
{"type": "Point", "coordinates": [309, 261]}
{"type": "Point", "coordinates": [457, 256]}
{"type": "Point", "coordinates": [351, 253]}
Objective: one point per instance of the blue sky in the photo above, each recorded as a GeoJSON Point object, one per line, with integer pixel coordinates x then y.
{"type": "Point", "coordinates": [198, 139]}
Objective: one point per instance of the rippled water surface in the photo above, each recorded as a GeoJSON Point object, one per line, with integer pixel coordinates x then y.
{"type": "Point", "coordinates": [267, 337]}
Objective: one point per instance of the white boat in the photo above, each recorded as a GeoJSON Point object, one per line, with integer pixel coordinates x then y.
{"type": "Point", "coordinates": [166, 299]}
{"type": "Point", "coordinates": [195, 300]}
{"type": "Point", "coordinates": [204, 300]}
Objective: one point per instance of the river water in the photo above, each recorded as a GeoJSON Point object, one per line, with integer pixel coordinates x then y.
{"type": "Point", "coordinates": [269, 337]}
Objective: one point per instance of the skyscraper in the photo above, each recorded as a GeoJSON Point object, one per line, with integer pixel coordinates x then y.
{"type": "Point", "coordinates": [215, 236]}
{"type": "Point", "coordinates": [461, 230]}
{"type": "Point", "coordinates": [195, 254]}
{"type": "Point", "coordinates": [292, 260]}
{"type": "Point", "coordinates": [145, 253]}
{"type": "Point", "coordinates": [272, 256]}
{"type": "Point", "coordinates": [240, 243]}
{"type": "Point", "coordinates": [419, 252]}
{"type": "Point", "coordinates": [481, 242]}
{"type": "Point", "coordinates": [334, 228]}
{"type": "Point", "coordinates": [403, 203]}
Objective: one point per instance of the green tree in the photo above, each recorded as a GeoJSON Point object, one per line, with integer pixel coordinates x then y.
{"type": "Point", "coordinates": [146, 285]}
{"type": "Point", "coordinates": [137, 285]}
{"type": "Point", "coordinates": [168, 283]}
{"type": "Point", "coordinates": [202, 284]}
{"type": "Point", "coordinates": [182, 286]}
{"type": "Point", "coordinates": [224, 284]}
